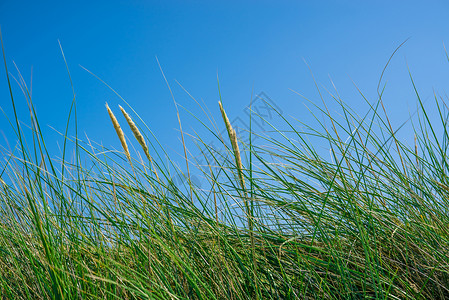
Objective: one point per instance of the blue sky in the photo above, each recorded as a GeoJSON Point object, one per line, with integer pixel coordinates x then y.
{"type": "Point", "coordinates": [259, 46]}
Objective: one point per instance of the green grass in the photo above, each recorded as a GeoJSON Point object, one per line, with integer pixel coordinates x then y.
{"type": "Point", "coordinates": [370, 222]}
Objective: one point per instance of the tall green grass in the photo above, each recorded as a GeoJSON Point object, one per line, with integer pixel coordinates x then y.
{"type": "Point", "coordinates": [368, 221]}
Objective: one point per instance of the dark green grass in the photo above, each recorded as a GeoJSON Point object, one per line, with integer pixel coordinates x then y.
{"type": "Point", "coordinates": [370, 222]}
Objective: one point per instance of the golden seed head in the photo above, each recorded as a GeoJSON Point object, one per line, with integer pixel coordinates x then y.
{"type": "Point", "coordinates": [235, 146]}
{"type": "Point", "coordinates": [225, 119]}
{"type": "Point", "coordinates": [119, 132]}
{"type": "Point", "coordinates": [139, 137]}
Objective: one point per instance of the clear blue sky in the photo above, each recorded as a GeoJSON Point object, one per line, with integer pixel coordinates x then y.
{"type": "Point", "coordinates": [258, 45]}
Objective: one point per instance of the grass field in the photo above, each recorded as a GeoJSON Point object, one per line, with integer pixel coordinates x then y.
{"type": "Point", "coordinates": [276, 219]}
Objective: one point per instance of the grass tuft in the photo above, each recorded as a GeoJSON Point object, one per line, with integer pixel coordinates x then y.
{"type": "Point", "coordinates": [291, 222]}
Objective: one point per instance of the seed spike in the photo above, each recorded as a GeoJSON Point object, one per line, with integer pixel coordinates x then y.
{"type": "Point", "coordinates": [139, 137]}
{"type": "Point", "coordinates": [119, 132]}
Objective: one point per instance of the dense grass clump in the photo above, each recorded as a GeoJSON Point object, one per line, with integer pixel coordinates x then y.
{"type": "Point", "coordinates": [280, 219]}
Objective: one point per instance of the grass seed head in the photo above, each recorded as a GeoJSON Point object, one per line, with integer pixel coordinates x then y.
{"type": "Point", "coordinates": [235, 146]}
{"type": "Point", "coordinates": [136, 132]}
{"type": "Point", "coordinates": [119, 131]}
